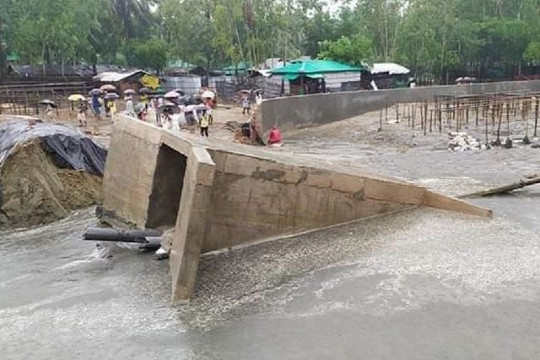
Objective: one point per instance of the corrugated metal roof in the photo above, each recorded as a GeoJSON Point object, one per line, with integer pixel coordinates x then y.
{"type": "Point", "coordinates": [113, 77]}
{"type": "Point", "coordinates": [391, 68]}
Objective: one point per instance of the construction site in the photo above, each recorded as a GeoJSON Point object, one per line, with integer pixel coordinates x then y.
{"type": "Point", "coordinates": [371, 216]}
{"type": "Point", "coordinates": [500, 114]}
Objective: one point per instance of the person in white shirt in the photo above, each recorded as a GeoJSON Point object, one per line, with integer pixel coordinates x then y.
{"type": "Point", "coordinates": [246, 106]}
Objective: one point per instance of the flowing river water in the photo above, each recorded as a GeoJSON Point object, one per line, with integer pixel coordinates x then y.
{"type": "Point", "coordinates": [422, 284]}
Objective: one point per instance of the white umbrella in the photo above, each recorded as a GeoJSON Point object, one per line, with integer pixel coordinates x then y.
{"type": "Point", "coordinates": [172, 95]}
{"type": "Point", "coordinates": [208, 94]}
{"type": "Point", "coordinates": [201, 107]}
{"type": "Point", "coordinates": [190, 108]}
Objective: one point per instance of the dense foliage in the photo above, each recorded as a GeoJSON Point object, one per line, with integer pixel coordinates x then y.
{"type": "Point", "coordinates": [486, 38]}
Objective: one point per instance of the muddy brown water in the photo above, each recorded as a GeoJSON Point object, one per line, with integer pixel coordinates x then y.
{"type": "Point", "coordinates": [423, 284]}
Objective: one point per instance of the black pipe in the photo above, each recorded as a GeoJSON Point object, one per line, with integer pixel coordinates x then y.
{"type": "Point", "coordinates": [153, 243]}
{"type": "Point", "coordinates": [128, 236]}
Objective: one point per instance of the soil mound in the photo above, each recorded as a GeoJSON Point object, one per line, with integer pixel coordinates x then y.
{"type": "Point", "coordinates": [46, 171]}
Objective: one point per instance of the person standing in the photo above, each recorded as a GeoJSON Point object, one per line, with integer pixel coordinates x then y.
{"type": "Point", "coordinates": [96, 106]}
{"type": "Point", "coordinates": [130, 108]}
{"type": "Point", "coordinates": [204, 124]}
{"type": "Point", "coordinates": [144, 100]}
{"type": "Point", "coordinates": [246, 106]}
{"type": "Point", "coordinates": [208, 103]}
{"type": "Point", "coordinates": [81, 116]}
{"type": "Point", "coordinates": [110, 106]}
{"type": "Point", "coordinates": [141, 113]}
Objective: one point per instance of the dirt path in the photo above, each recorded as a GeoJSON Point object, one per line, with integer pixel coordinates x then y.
{"type": "Point", "coordinates": [101, 129]}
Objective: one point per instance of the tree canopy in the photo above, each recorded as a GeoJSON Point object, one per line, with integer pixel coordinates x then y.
{"type": "Point", "coordinates": [434, 38]}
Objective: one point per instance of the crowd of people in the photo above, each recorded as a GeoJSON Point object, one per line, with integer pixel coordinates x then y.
{"type": "Point", "coordinates": [173, 110]}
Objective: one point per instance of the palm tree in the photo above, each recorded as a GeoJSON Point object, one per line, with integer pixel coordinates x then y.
{"type": "Point", "coordinates": [135, 16]}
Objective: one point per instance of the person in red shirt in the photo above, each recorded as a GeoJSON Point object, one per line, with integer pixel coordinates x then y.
{"type": "Point", "coordinates": [274, 138]}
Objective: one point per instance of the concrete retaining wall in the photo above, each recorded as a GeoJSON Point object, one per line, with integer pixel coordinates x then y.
{"type": "Point", "coordinates": [301, 111]}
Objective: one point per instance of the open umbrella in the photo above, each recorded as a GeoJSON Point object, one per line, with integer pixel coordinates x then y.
{"type": "Point", "coordinates": [48, 102]}
{"type": "Point", "coordinates": [111, 96]}
{"type": "Point", "coordinates": [167, 104]}
{"type": "Point", "coordinates": [76, 97]}
{"type": "Point", "coordinates": [144, 90]}
{"type": "Point", "coordinates": [172, 95]}
{"type": "Point", "coordinates": [129, 92]}
{"type": "Point", "coordinates": [139, 108]}
{"type": "Point", "coordinates": [180, 91]}
{"type": "Point", "coordinates": [190, 108]}
{"type": "Point", "coordinates": [108, 87]}
{"type": "Point", "coordinates": [207, 94]}
{"type": "Point", "coordinates": [202, 107]}
{"type": "Point", "coordinates": [95, 92]}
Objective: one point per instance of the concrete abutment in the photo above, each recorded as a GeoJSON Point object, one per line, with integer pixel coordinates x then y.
{"type": "Point", "coordinates": [218, 195]}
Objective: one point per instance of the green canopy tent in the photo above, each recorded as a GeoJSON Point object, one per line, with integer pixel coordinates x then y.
{"type": "Point", "coordinates": [312, 69]}
{"type": "Point", "coordinates": [12, 57]}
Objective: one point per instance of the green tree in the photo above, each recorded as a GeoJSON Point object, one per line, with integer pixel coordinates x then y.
{"type": "Point", "coordinates": [151, 54]}
{"type": "Point", "coordinates": [532, 53]}
{"type": "Point", "coordinates": [353, 51]}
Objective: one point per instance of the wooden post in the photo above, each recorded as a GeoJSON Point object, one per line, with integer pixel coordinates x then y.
{"type": "Point", "coordinates": [413, 114]}
{"type": "Point", "coordinates": [508, 109]}
{"type": "Point", "coordinates": [431, 120]}
{"type": "Point", "coordinates": [421, 117]}
{"type": "Point", "coordinates": [439, 114]}
{"type": "Point", "coordinates": [477, 109]}
{"type": "Point", "coordinates": [425, 117]}
{"type": "Point", "coordinates": [536, 105]}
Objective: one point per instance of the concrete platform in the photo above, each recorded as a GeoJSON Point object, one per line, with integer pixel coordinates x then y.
{"type": "Point", "coordinates": [217, 195]}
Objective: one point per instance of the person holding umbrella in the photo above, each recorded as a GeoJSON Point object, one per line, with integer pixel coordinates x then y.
{"type": "Point", "coordinates": [208, 97]}
{"type": "Point", "coordinates": [75, 98]}
{"type": "Point", "coordinates": [143, 92]}
{"type": "Point", "coordinates": [49, 106]}
{"type": "Point", "coordinates": [96, 106]}
{"type": "Point", "coordinates": [140, 110]}
{"type": "Point", "coordinates": [110, 105]}
{"type": "Point", "coordinates": [128, 102]}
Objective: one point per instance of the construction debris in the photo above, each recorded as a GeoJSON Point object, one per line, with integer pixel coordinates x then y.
{"type": "Point", "coordinates": [528, 181]}
{"type": "Point", "coordinates": [461, 141]}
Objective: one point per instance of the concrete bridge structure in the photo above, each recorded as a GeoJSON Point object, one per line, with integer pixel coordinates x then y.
{"type": "Point", "coordinates": [217, 195]}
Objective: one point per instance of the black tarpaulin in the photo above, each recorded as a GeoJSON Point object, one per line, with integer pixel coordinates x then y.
{"type": "Point", "coordinates": [67, 147]}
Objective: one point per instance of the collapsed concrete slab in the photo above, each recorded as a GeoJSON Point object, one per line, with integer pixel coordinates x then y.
{"type": "Point", "coordinates": [217, 195]}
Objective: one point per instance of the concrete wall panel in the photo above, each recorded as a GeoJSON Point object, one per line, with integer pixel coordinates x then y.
{"type": "Point", "coordinates": [301, 111]}
{"type": "Point", "coordinates": [129, 171]}
{"type": "Point", "coordinates": [191, 225]}
{"type": "Point", "coordinates": [254, 198]}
